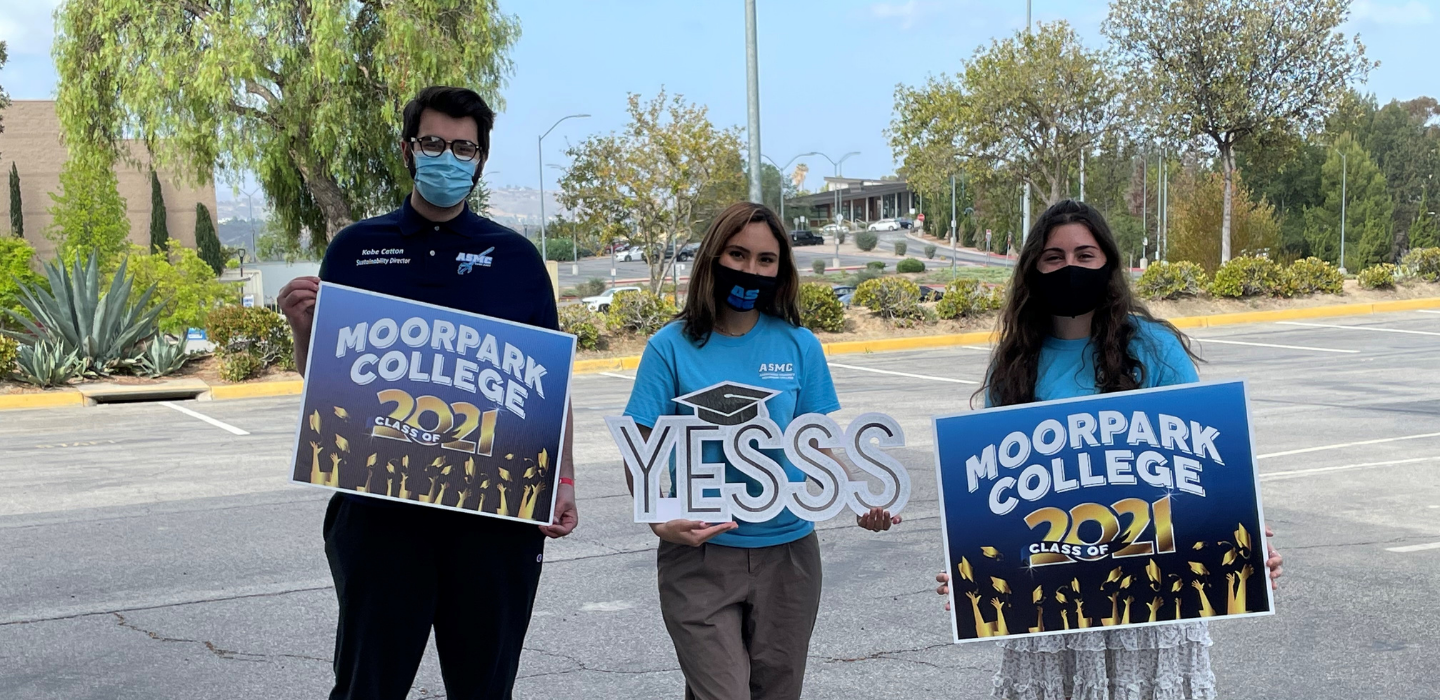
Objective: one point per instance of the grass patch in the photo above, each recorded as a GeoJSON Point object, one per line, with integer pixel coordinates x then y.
{"type": "Point", "coordinates": [988, 275]}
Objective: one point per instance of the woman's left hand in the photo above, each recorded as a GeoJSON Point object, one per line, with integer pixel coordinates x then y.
{"type": "Point", "coordinates": [877, 520]}
{"type": "Point", "coordinates": [1273, 560]}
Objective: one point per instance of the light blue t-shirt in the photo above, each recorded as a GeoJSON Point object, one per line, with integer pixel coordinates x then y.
{"type": "Point", "coordinates": [1067, 367]}
{"type": "Point", "coordinates": [773, 355]}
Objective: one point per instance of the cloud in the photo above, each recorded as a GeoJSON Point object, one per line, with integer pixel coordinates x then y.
{"type": "Point", "coordinates": [907, 12]}
{"type": "Point", "coordinates": [28, 26]}
{"type": "Point", "coordinates": [1409, 13]}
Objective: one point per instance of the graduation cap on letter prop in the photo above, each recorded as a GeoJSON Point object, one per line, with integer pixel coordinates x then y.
{"type": "Point", "coordinates": [728, 403]}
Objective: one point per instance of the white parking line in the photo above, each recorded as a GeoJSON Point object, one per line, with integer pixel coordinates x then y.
{"type": "Point", "coordinates": [219, 424]}
{"type": "Point", "coordinates": [981, 348]}
{"type": "Point", "coordinates": [1414, 547]}
{"type": "Point", "coordinates": [1428, 311]}
{"type": "Point", "coordinates": [1271, 476]}
{"type": "Point", "coordinates": [903, 374]}
{"type": "Point", "coordinates": [1375, 329]}
{"type": "Point", "coordinates": [1202, 341]}
{"type": "Point", "coordinates": [617, 376]}
{"type": "Point", "coordinates": [1347, 444]}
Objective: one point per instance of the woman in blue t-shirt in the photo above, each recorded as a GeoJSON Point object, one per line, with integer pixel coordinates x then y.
{"type": "Point", "coordinates": [740, 599]}
{"type": "Point", "coordinates": [1071, 327]}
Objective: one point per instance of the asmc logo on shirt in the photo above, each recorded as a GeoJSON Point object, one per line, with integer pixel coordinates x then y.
{"type": "Point", "coordinates": [777, 370]}
{"type": "Point", "coordinates": [469, 260]}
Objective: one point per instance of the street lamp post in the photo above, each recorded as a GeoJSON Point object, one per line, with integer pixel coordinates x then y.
{"type": "Point", "coordinates": [838, 165]}
{"type": "Point", "coordinates": [782, 176]}
{"type": "Point", "coordinates": [752, 89]}
{"type": "Point", "coordinates": [250, 203]}
{"type": "Point", "coordinates": [1344, 170]}
{"type": "Point", "coordinates": [540, 151]}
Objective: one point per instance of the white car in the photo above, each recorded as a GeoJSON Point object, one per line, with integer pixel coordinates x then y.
{"type": "Point", "coordinates": [634, 253]}
{"type": "Point", "coordinates": [885, 225]}
{"type": "Point", "coordinates": [601, 303]}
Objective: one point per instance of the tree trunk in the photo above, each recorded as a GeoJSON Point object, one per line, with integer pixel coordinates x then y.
{"type": "Point", "coordinates": [1227, 164]}
{"type": "Point", "coordinates": [328, 196]}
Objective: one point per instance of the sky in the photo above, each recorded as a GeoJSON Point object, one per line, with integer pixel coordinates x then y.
{"type": "Point", "coordinates": [828, 68]}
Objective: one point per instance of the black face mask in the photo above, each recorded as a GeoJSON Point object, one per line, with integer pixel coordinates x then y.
{"type": "Point", "coordinates": [1073, 290]}
{"type": "Point", "coordinates": [743, 291]}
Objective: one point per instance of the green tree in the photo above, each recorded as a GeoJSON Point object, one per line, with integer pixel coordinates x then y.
{"type": "Point", "coordinates": [1407, 152]}
{"type": "Point", "coordinates": [273, 244]}
{"type": "Point", "coordinates": [305, 94]}
{"type": "Point", "coordinates": [17, 215]}
{"type": "Point", "coordinates": [16, 268]}
{"type": "Point", "coordinates": [658, 181]}
{"type": "Point", "coordinates": [1029, 104]}
{"type": "Point", "coordinates": [1424, 233]}
{"type": "Point", "coordinates": [206, 240]}
{"type": "Point", "coordinates": [89, 213]}
{"type": "Point", "coordinates": [1196, 202]}
{"type": "Point", "coordinates": [159, 233]}
{"type": "Point", "coordinates": [1226, 70]}
{"type": "Point", "coordinates": [4, 98]}
{"type": "Point", "coordinates": [184, 284]}
{"type": "Point", "coordinates": [1368, 208]}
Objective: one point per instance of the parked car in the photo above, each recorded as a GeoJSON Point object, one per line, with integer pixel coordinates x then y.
{"type": "Point", "coordinates": [616, 248]}
{"type": "Point", "coordinates": [842, 290]}
{"type": "Point", "coordinates": [688, 252]}
{"type": "Point", "coordinates": [832, 229]}
{"type": "Point", "coordinates": [885, 225]}
{"type": "Point", "coordinates": [631, 254]}
{"type": "Point", "coordinates": [931, 293]}
{"type": "Point", "coordinates": [804, 237]}
{"type": "Point", "coordinates": [601, 303]}
{"type": "Point", "coordinates": [905, 223]}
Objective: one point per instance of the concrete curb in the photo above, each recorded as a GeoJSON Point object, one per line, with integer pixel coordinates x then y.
{"type": "Point", "coordinates": [293, 387]}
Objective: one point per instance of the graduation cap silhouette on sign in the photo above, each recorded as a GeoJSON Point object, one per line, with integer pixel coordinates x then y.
{"type": "Point", "coordinates": [728, 403]}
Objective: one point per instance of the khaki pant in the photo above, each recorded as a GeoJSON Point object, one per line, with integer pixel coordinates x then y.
{"type": "Point", "coordinates": [741, 618]}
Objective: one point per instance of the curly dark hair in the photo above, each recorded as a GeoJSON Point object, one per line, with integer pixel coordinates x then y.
{"type": "Point", "coordinates": [1025, 322]}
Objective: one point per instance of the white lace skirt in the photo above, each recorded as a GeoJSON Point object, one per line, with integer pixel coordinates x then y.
{"type": "Point", "coordinates": [1166, 662]}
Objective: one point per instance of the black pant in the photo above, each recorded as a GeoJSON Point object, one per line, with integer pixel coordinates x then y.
{"type": "Point", "coordinates": [399, 569]}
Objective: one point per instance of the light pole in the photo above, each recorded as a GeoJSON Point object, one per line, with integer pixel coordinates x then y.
{"type": "Point", "coordinates": [1025, 201]}
{"type": "Point", "coordinates": [250, 203]}
{"type": "Point", "coordinates": [782, 177]}
{"type": "Point", "coordinates": [1344, 170]}
{"type": "Point", "coordinates": [540, 151]}
{"type": "Point", "coordinates": [835, 216]}
{"type": "Point", "coordinates": [752, 88]}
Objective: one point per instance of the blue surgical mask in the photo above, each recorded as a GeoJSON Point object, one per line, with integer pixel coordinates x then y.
{"type": "Point", "coordinates": [443, 180]}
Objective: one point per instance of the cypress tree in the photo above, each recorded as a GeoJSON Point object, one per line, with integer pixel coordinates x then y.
{"type": "Point", "coordinates": [159, 232]}
{"type": "Point", "coordinates": [17, 216]}
{"type": "Point", "coordinates": [207, 243]}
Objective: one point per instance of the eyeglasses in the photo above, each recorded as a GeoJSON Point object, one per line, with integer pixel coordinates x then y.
{"type": "Point", "coordinates": [434, 146]}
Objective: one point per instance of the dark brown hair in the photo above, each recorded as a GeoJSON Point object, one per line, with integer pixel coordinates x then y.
{"type": "Point", "coordinates": [453, 102]}
{"type": "Point", "coordinates": [1025, 322]}
{"type": "Point", "coordinates": [700, 303]}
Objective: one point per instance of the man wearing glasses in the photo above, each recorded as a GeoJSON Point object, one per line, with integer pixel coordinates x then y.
{"type": "Point", "coordinates": [402, 569]}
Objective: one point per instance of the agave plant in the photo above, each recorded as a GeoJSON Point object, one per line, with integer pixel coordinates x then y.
{"type": "Point", "coordinates": [103, 331]}
{"type": "Point", "coordinates": [46, 364]}
{"type": "Point", "coordinates": [163, 356]}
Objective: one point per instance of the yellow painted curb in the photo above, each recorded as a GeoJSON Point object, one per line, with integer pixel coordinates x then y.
{"type": "Point", "coordinates": [49, 399]}
{"type": "Point", "coordinates": [290, 387]}
{"type": "Point", "coordinates": [610, 364]}
{"type": "Point", "coordinates": [911, 343]}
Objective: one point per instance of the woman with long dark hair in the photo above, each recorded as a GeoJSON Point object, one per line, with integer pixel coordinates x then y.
{"type": "Point", "coordinates": [740, 599]}
{"type": "Point", "coordinates": [1072, 327]}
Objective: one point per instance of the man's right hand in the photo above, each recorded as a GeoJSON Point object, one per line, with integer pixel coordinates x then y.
{"type": "Point", "coordinates": [297, 302]}
{"type": "Point", "coordinates": [692, 533]}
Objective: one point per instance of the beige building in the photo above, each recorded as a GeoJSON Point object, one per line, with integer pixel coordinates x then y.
{"type": "Point", "coordinates": [31, 141]}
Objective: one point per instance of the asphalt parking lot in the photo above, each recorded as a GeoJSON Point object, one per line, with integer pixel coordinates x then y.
{"type": "Point", "coordinates": [146, 553]}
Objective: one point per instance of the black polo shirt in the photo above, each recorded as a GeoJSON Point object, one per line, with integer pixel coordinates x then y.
{"type": "Point", "coordinates": [468, 263]}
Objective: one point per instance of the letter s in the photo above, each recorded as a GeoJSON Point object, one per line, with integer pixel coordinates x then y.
{"type": "Point", "coordinates": [867, 434]}
{"type": "Point", "coordinates": [743, 450]}
{"type": "Point", "coordinates": [804, 438]}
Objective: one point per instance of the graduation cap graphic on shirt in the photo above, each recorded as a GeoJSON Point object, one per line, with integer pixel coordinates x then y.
{"type": "Point", "coordinates": [728, 403]}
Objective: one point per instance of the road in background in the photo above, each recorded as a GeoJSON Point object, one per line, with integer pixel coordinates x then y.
{"type": "Point", "coordinates": [147, 553]}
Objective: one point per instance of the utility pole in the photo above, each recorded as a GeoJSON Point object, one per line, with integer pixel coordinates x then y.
{"type": "Point", "coordinates": [954, 225]}
{"type": "Point", "coordinates": [1025, 206]}
{"type": "Point", "coordinates": [540, 165]}
{"type": "Point", "coordinates": [1082, 175]}
{"type": "Point", "coordinates": [1344, 171]}
{"type": "Point", "coordinates": [1144, 208]}
{"type": "Point", "coordinates": [752, 83]}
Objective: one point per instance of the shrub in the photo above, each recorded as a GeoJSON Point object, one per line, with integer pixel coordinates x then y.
{"type": "Point", "coordinates": [186, 289]}
{"type": "Point", "coordinates": [840, 236]}
{"type": "Point", "coordinates": [1167, 280]}
{"type": "Point", "coordinates": [255, 331]}
{"type": "Point", "coordinates": [239, 366]}
{"type": "Point", "coordinates": [865, 275]}
{"type": "Point", "coordinates": [866, 240]}
{"type": "Point", "coordinates": [930, 250]}
{"type": "Point", "coordinates": [1423, 263]}
{"type": "Point", "coordinates": [875, 265]}
{"type": "Point", "coordinates": [47, 363]}
{"type": "Point", "coordinates": [15, 260]}
{"type": "Point", "coordinates": [909, 265]}
{"type": "Point", "coordinates": [820, 310]}
{"type": "Point", "coordinates": [584, 324]}
{"type": "Point", "coordinates": [967, 297]}
{"type": "Point", "coordinates": [641, 312]}
{"type": "Point", "coordinates": [818, 266]}
{"type": "Point", "coordinates": [590, 288]}
{"type": "Point", "coordinates": [164, 356]}
{"type": "Point", "coordinates": [1247, 276]}
{"type": "Point", "coordinates": [896, 299]}
{"type": "Point", "coordinates": [9, 350]}
{"type": "Point", "coordinates": [901, 247]}
{"type": "Point", "coordinates": [1313, 275]}
{"type": "Point", "coordinates": [1380, 276]}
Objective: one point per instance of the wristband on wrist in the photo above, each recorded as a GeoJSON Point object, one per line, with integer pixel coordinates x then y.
{"type": "Point", "coordinates": [567, 480]}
